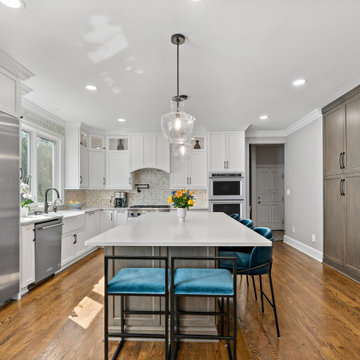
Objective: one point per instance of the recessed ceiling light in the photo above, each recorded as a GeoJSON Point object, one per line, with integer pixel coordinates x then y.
{"type": "Point", "coordinates": [14, 4]}
{"type": "Point", "coordinates": [263, 117]}
{"type": "Point", "coordinates": [139, 71]}
{"type": "Point", "coordinates": [128, 68]}
{"type": "Point", "coordinates": [121, 120]}
{"type": "Point", "coordinates": [91, 87]}
{"type": "Point", "coordinates": [299, 82]}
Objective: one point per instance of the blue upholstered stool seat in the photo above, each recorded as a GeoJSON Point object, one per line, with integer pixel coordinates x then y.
{"type": "Point", "coordinates": [138, 281]}
{"type": "Point", "coordinates": [242, 260]}
{"type": "Point", "coordinates": [203, 282]}
{"type": "Point", "coordinates": [247, 222]}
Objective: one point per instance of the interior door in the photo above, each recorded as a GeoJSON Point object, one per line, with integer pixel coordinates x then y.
{"type": "Point", "coordinates": [352, 155]}
{"type": "Point", "coordinates": [270, 197]}
{"type": "Point", "coordinates": [335, 221]}
{"type": "Point", "coordinates": [334, 132]}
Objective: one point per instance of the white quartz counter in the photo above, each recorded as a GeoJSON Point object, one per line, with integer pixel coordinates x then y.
{"type": "Point", "coordinates": [201, 228]}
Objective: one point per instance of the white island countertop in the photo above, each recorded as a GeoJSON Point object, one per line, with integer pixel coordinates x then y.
{"type": "Point", "coordinates": [164, 229]}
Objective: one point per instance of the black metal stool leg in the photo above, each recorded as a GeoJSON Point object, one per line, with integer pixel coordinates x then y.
{"type": "Point", "coordinates": [166, 326]}
{"type": "Point", "coordinates": [253, 281]}
{"type": "Point", "coordinates": [222, 317]}
{"type": "Point", "coordinates": [106, 338]}
{"type": "Point", "coordinates": [274, 305]}
{"type": "Point", "coordinates": [261, 294]}
{"type": "Point", "coordinates": [247, 280]}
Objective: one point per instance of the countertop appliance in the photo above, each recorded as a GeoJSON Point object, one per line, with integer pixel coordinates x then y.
{"type": "Point", "coordinates": [120, 200]}
{"type": "Point", "coordinates": [138, 210]}
{"type": "Point", "coordinates": [9, 207]}
{"type": "Point", "coordinates": [47, 248]}
{"type": "Point", "coordinates": [229, 186]}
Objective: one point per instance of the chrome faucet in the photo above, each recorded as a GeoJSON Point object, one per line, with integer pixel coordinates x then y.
{"type": "Point", "coordinates": [46, 204]}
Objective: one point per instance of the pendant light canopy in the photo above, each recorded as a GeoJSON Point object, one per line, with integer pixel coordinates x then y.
{"type": "Point", "coordinates": [177, 126]}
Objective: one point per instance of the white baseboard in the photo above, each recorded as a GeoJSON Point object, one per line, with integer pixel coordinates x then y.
{"type": "Point", "coordinates": [306, 249]}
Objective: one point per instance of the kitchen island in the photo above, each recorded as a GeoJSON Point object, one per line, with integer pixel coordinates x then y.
{"type": "Point", "coordinates": [161, 234]}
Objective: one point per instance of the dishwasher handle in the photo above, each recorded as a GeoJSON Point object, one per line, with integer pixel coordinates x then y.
{"type": "Point", "coordinates": [50, 226]}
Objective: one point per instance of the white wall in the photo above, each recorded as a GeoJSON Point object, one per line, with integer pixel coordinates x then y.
{"type": "Point", "coordinates": [303, 177]}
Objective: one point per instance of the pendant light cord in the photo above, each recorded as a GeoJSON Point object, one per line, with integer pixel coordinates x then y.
{"type": "Point", "coordinates": [177, 70]}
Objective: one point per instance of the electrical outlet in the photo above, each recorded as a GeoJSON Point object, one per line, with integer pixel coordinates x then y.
{"type": "Point", "coordinates": [293, 229]}
{"type": "Point", "coordinates": [313, 239]}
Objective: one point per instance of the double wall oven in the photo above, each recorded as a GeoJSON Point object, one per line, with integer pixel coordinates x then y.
{"type": "Point", "coordinates": [227, 192]}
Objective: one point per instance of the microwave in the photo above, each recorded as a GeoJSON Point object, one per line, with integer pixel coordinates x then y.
{"type": "Point", "coordinates": [226, 186]}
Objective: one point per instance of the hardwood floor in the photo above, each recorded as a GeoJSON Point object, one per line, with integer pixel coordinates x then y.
{"type": "Point", "coordinates": [319, 316]}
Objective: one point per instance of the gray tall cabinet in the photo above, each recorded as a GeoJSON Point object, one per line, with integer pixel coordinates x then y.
{"type": "Point", "coordinates": [341, 131]}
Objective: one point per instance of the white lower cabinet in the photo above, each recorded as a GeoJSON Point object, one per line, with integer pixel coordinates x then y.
{"type": "Point", "coordinates": [107, 220]}
{"type": "Point", "coordinates": [73, 239]}
{"type": "Point", "coordinates": [121, 216]}
{"type": "Point", "coordinates": [27, 256]}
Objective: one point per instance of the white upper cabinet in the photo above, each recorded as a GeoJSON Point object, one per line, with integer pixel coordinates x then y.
{"type": "Point", "coordinates": [149, 151]}
{"type": "Point", "coordinates": [198, 175]}
{"type": "Point", "coordinates": [118, 174]}
{"type": "Point", "coordinates": [97, 142]}
{"type": "Point", "coordinates": [162, 153]}
{"type": "Point", "coordinates": [97, 177]}
{"type": "Point", "coordinates": [84, 168]}
{"type": "Point", "coordinates": [76, 157]}
{"type": "Point", "coordinates": [227, 151]}
{"type": "Point", "coordinates": [193, 172]}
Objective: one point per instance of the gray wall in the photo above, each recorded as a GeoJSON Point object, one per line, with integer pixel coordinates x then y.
{"type": "Point", "coordinates": [303, 177]}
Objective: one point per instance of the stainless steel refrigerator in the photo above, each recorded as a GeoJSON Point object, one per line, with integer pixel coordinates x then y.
{"type": "Point", "coordinates": [9, 207]}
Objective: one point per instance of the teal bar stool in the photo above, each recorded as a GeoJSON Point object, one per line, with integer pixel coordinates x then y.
{"type": "Point", "coordinates": [136, 282]}
{"type": "Point", "coordinates": [235, 216]}
{"type": "Point", "coordinates": [257, 263]}
{"type": "Point", "coordinates": [247, 222]}
{"type": "Point", "coordinates": [207, 283]}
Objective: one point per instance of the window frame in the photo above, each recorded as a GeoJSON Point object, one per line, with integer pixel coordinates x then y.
{"type": "Point", "coordinates": [58, 141]}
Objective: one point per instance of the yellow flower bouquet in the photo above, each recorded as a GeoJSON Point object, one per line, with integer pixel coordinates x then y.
{"type": "Point", "coordinates": [182, 199]}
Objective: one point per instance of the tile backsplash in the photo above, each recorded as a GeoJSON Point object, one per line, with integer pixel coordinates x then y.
{"type": "Point", "coordinates": [157, 194]}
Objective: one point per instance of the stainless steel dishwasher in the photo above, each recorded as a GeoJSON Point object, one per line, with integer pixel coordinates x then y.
{"type": "Point", "coordinates": [47, 248]}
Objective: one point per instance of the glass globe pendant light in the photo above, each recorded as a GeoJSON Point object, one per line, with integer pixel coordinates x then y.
{"type": "Point", "coordinates": [182, 150]}
{"type": "Point", "coordinates": [177, 126]}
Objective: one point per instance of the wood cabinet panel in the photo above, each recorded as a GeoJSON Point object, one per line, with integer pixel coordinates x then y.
{"type": "Point", "coordinates": [335, 221]}
{"type": "Point", "coordinates": [334, 132]}
{"type": "Point", "coordinates": [352, 191]}
{"type": "Point", "coordinates": [352, 154]}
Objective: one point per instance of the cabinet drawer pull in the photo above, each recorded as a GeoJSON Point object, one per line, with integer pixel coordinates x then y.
{"type": "Point", "coordinates": [81, 179]}
{"type": "Point", "coordinates": [75, 239]}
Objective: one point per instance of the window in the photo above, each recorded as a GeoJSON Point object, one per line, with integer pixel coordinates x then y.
{"type": "Point", "coordinates": [40, 162]}
{"type": "Point", "coordinates": [45, 167]}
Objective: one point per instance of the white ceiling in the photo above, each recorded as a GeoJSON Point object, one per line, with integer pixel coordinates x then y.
{"type": "Point", "coordinates": [237, 63]}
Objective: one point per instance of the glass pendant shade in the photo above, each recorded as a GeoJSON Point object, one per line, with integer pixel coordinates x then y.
{"type": "Point", "coordinates": [182, 151]}
{"type": "Point", "coordinates": [177, 126]}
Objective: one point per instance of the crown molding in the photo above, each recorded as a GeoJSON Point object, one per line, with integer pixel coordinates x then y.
{"type": "Point", "coordinates": [309, 118]}
{"type": "Point", "coordinates": [30, 107]}
{"type": "Point", "coordinates": [13, 67]}
{"type": "Point", "coordinates": [265, 133]}
{"type": "Point", "coordinates": [25, 89]}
